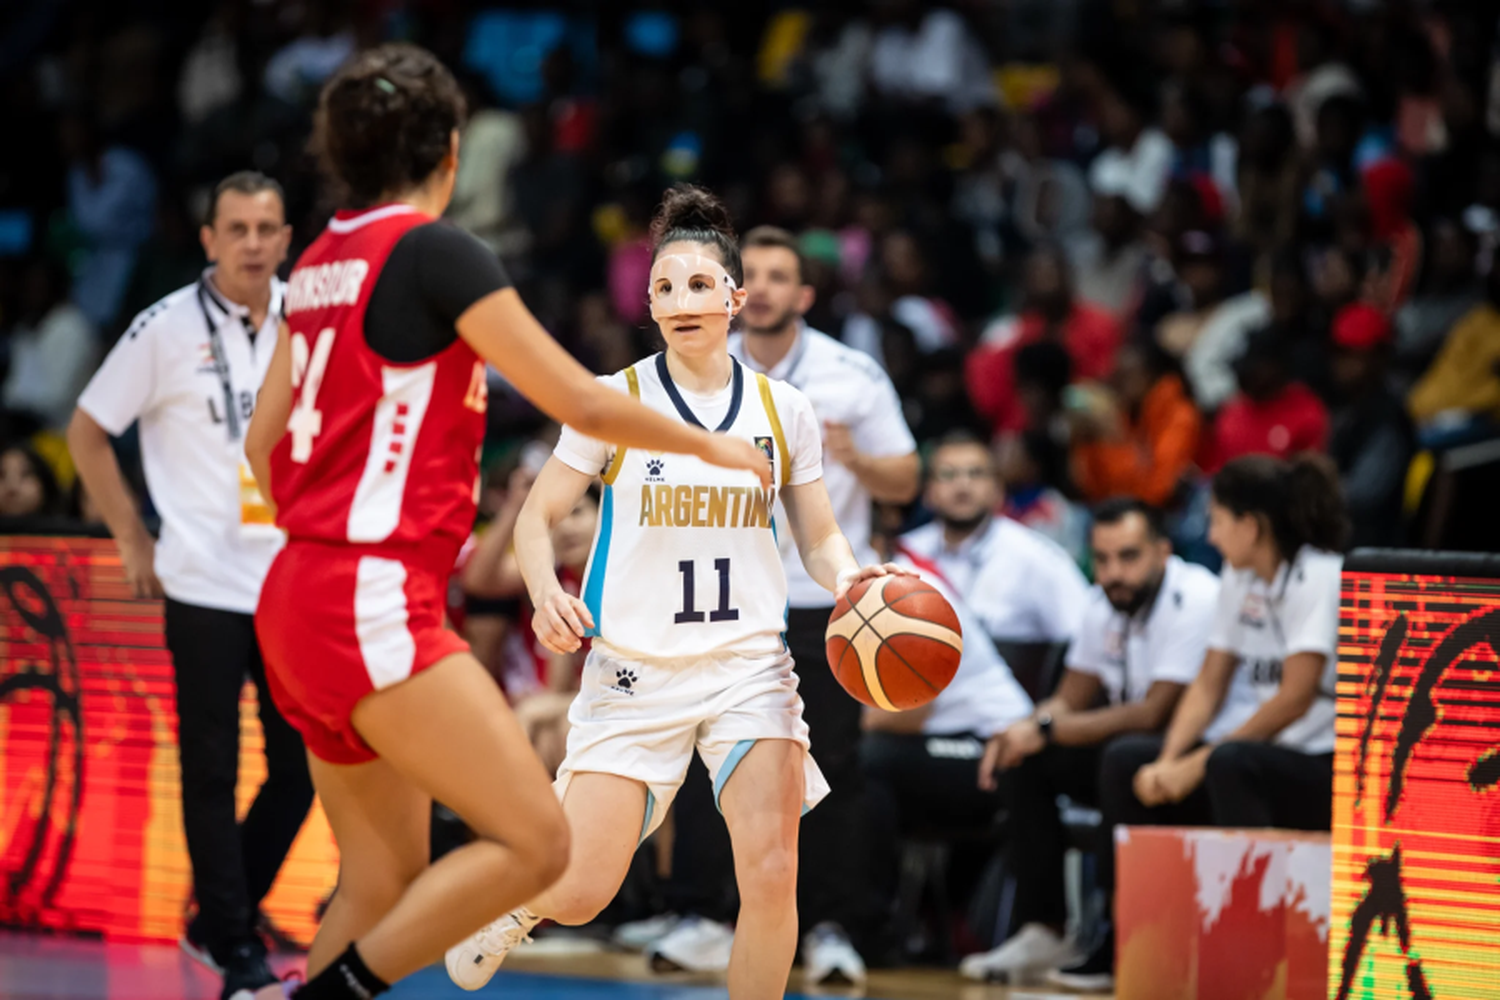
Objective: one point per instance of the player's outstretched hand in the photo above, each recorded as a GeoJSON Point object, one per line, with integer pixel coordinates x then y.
{"type": "Point", "coordinates": [737, 453]}
{"type": "Point", "coordinates": [849, 578]}
{"type": "Point", "coordinates": [561, 621]}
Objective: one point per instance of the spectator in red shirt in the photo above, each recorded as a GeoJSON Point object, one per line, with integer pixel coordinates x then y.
{"type": "Point", "coordinates": [1271, 414]}
{"type": "Point", "coordinates": [1050, 313]}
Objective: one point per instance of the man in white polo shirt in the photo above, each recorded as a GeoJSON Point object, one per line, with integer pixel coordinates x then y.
{"type": "Point", "coordinates": [1140, 644]}
{"type": "Point", "coordinates": [188, 369]}
{"type": "Point", "coordinates": [1022, 586]}
{"type": "Point", "coordinates": [869, 455]}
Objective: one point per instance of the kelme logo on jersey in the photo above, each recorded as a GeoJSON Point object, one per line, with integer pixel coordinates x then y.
{"type": "Point", "coordinates": [625, 681]}
{"type": "Point", "coordinates": [654, 468]}
{"type": "Point", "coordinates": [767, 448]}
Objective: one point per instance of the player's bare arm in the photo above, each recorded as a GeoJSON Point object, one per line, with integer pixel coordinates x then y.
{"type": "Point", "coordinates": [561, 619]}
{"type": "Point", "coordinates": [273, 407]}
{"type": "Point", "coordinates": [502, 331]}
{"type": "Point", "coordinates": [825, 551]}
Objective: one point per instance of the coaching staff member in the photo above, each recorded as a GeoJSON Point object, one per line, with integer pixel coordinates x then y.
{"type": "Point", "coordinates": [188, 369]}
{"type": "Point", "coordinates": [868, 454]}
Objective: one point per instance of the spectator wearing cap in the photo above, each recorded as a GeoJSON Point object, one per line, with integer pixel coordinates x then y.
{"type": "Point", "coordinates": [1372, 439]}
{"type": "Point", "coordinates": [1459, 397]}
{"type": "Point", "coordinates": [1144, 441]}
{"type": "Point", "coordinates": [1272, 414]}
{"type": "Point", "coordinates": [1210, 333]}
{"type": "Point", "coordinates": [1050, 313]}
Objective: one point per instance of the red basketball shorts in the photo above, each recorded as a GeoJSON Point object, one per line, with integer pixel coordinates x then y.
{"type": "Point", "coordinates": [337, 624]}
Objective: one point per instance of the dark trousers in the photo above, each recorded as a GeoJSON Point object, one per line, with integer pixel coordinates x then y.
{"type": "Point", "coordinates": [1245, 785]}
{"type": "Point", "coordinates": [234, 863]}
{"type": "Point", "coordinates": [1124, 756]}
{"type": "Point", "coordinates": [925, 785]}
{"type": "Point", "coordinates": [833, 860]}
{"type": "Point", "coordinates": [1038, 838]}
{"type": "Point", "coordinates": [1261, 784]}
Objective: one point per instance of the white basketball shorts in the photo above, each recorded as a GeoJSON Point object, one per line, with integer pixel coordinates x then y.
{"type": "Point", "coordinates": [641, 719]}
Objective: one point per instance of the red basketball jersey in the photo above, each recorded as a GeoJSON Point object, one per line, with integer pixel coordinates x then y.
{"type": "Point", "coordinates": [376, 454]}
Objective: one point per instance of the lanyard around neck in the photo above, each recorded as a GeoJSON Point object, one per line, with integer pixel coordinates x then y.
{"type": "Point", "coordinates": [221, 363]}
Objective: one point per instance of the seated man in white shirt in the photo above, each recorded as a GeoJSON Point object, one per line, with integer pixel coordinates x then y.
{"type": "Point", "coordinates": [1141, 643]}
{"type": "Point", "coordinates": [1024, 589]}
{"type": "Point", "coordinates": [1251, 741]}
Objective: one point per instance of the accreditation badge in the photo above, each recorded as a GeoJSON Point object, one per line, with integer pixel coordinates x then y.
{"type": "Point", "coordinates": [257, 520]}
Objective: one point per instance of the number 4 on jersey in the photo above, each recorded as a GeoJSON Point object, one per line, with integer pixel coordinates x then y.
{"type": "Point", "coordinates": [308, 367]}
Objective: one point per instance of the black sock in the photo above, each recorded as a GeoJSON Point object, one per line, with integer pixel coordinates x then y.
{"type": "Point", "coordinates": [348, 978]}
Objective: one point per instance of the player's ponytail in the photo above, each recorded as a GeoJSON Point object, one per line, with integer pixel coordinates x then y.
{"type": "Point", "coordinates": [1299, 502]}
{"type": "Point", "coordinates": [691, 214]}
{"type": "Point", "coordinates": [1316, 507]}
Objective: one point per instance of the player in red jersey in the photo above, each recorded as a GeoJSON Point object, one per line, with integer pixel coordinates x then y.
{"type": "Point", "coordinates": [366, 437]}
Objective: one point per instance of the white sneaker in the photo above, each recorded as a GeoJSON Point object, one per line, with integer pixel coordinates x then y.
{"type": "Point", "coordinates": [827, 956]}
{"type": "Point", "coordinates": [638, 935]}
{"type": "Point", "coordinates": [1031, 952]}
{"type": "Point", "coordinates": [474, 960]}
{"type": "Point", "coordinates": [694, 945]}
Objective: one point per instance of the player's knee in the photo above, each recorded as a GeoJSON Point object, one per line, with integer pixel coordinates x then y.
{"type": "Point", "coordinates": [544, 848]}
{"type": "Point", "coordinates": [768, 879]}
{"type": "Point", "coordinates": [578, 901]}
{"type": "Point", "coordinates": [1227, 762]}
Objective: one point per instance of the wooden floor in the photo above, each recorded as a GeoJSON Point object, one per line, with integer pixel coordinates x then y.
{"type": "Point", "coordinates": [53, 968]}
{"type": "Point", "coordinates": [579, 959]}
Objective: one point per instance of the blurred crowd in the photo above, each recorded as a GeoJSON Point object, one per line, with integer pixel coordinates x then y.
{"type": "Point", "coordinates": [1126, 242]}
{"type": "Point", "coordinates": [1123, 243]}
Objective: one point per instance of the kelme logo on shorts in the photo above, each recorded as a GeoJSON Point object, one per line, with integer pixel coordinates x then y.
{"type": "Point", "coordinates": [625, 681]}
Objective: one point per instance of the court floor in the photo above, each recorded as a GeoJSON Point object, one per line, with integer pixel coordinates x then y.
{"type": "Point", "coordinates": [55, 968]}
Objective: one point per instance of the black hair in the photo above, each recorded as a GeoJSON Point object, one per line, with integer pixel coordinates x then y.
{"type": "Point", "coordinates": [775, 236]}
{"type": "Point", "coordinates": [691, 214]}
{"type": "Point", "coordinates": [955, 439]}
{"type": "Point", "coordinates": [243, 182]}
{"type": "Point", "coordinates": [1300, 500]}
{"type": "Point", "coordinates": [52, 495]}
{"type": "Point", "coordinates": [385, 120]}
{"type": "Point", "coordinates": [1117, 509]}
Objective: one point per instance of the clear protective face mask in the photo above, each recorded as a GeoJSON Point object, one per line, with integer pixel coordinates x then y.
{"type": "Point", "coordinates": [690, 285]}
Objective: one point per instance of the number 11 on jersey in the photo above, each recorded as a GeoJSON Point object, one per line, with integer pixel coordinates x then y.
{"type": "Point", "coordinates": [723, 613]}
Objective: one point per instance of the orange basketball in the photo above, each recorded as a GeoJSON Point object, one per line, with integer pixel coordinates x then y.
{"type": "Point", "coordinates": [894, 642]}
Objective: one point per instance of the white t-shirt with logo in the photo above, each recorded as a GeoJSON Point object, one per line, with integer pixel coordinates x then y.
{"type": "Point", "coordinates": [163, 373]}
{"type": "Point", "coordinates": [1021, 585]}
{"type": "Point", "coordinates": [1129, 653]}
{"type": "Point", "coordinates": [846, 387]}
{"type": "Point", "coordinates": [1262, 624]}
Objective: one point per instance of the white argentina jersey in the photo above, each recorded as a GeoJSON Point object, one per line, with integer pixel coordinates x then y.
{"type": "Point", "coordinates": [685, 561]}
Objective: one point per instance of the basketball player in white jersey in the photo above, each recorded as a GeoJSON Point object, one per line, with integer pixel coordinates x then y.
{"type": "Point", "coordinates": [685, 599]}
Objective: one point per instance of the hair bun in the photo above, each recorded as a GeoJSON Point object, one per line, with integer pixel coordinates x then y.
{"type": "Point", "coordinates": [687, 206]}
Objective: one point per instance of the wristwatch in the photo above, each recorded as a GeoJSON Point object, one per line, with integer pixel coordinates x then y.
{"type": "Point", "coordinates": [1044, 724]}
